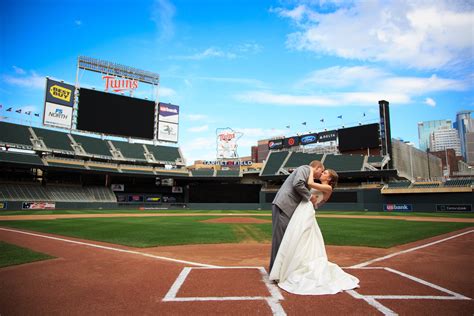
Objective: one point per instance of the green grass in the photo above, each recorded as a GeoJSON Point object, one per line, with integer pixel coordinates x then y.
{"type": "Point", "coordinates": [11, 255]}
{"type": "Point", "coordinates": [197, 212]}
{"type": "Point", "coordinates": [163, 231]}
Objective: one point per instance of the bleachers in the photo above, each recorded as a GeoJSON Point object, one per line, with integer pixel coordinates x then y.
{"type": "Point", "coordinates": [15, 134]}
{"type": "Point", "coordinates": [344, 162]}
{"type": "Point", "coordinates": [274, 162]}
{"type": "Point", "coordinates": [459, 182]}
{"type": "Point", "coordinates": [54, 140]}
{"type": "Point", "coordinates": [424, 185]}
{"type": "Point", "coordinates": [93, 146]}
{"type": "Point", "coordinates": [399, 184]}
{"type": "Point", "coordinates": [374, 159]}
{"type": "Point", "coordinates": [299, 159]}
{"type": "Point", "coordinates": [130, 151]}
{"type": "Point", "coordinates": [164, 153]}
{"type": "Point", "coordinates": [202, 172]}
{"type": "Point", "coordinates": [228, 173]}
{"type": "Point", "coordinates": [55, 193]}
{"type": "Point", "coordinates": [13, 157]}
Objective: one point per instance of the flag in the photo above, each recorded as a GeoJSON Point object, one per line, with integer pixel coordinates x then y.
{"type": "Point", "coordinates": [37, 114]}
{"type": "Point", "coordinates": [18, 111]}
{"type": "Point", "coordinates": [322, 120]}
{"type": "Point", "coordinates": [287, 126]}
{"type": "Point", "coordinates": [304, 123]}
{"type": "Point", "coordinates": [9, 109]}
{"type": "Point", "coordinates": [340, 116]}
{"type": "Point", "coordinates": [364, 114]}
{"type": "Point", "coordinates": [28, 112]}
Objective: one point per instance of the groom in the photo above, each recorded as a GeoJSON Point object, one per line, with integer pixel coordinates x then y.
{"type": "Point", "coordinates": [292, 192]}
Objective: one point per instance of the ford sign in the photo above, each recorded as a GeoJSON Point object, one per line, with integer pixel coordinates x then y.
{"type": "Point", "coordinates": [308, 139]}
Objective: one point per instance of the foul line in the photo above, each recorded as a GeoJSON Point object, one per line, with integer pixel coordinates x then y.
{"type": "Point", "coordinates": [112, 248]}
{"type": "Point", "coordinates": [360, 265]}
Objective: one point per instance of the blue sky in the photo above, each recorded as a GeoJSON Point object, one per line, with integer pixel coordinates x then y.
{"type": "Point", "coordinates": [254, 66]}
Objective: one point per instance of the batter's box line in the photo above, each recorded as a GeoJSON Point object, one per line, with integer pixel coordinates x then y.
{"type": "Point", "coordinates": [372, 299]}
{"type": "Point", "coordinates": [273, 300]}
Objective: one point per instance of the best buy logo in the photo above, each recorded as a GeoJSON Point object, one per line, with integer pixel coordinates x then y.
{"type": "Point", "coordinates": [60, 93]}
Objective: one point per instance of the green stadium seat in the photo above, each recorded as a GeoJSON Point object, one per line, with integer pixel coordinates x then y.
{"type": "Point", "coordinates": [15, 134]}
{"type": "Point", "coordinates": [344, 162]}
{"type": "Point", "coordinates": [274, 162]}
{"type": "Point", "coordinates": [130, 151]}
{"type": "Point", "coordinates": [299, 159]}
{"type": "Point", "coordinates": [20, 158]}
{"type": "Point", "coordinates": [164, 153]}
{"type": "Point", "coordinates": [93, 146]}
{"type": "Point", "coordinates": [54, 140]}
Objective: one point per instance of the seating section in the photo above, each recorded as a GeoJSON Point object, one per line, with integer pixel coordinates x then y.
{"type": "Point", "coordinates": [399, 184]}
{"type": "Point", "coordinates": [459, 182]}
{"type": "Point", "coordinates": [55, 193]}
{"type": "Point", "coordinates": [344, 162]}
{"type": "Point", "coordinates": [13, 157]}
{"type": "Point", "coordinates": [274, 162]}
{"type": "Point", "coordinates": [130, 151]}
{"type": "Point", "coordinates": [424, 185]}
{"type": "Point", "coordinates": [54, 140]}
{"type": "Point", "coordinates": [374, 159]}
{"type": "Point", "coordinates": [93, 146]}
{"type": "Point", "coordinates": [15, 134]}
{"type": "Point", "coordinates": [202, 172]}
{"type": "Point", "coordinates": [228, 173]}
{"type": "Point", "coordinates": [164, 153]}
{"type": "Point", "coordinates": [299, 159]}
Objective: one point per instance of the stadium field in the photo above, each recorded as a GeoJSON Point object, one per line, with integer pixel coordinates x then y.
{"type": "Point", "coordinates": [179, 230]}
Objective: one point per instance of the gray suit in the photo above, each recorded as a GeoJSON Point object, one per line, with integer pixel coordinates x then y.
{"type": "Point", "coordinates": [292, 192]}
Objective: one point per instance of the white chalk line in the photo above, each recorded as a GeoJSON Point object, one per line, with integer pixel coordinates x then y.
{"type": "Point", "coordinates": [111, 248]}
{"type": "Point", "coordinates": [360, 265]}
{"type": "Point", "coordinates": [273, 300]}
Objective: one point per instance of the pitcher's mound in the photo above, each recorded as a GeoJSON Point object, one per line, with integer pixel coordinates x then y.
{"type": "Point", "coordinates": [237, 220]}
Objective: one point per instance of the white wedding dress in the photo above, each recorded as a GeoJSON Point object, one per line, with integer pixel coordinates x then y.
{"type": "Point", "coordinates": [301, 265]}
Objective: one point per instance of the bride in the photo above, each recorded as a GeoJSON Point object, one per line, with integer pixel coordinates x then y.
{"type": "Point", "coordinates": [301, 265]}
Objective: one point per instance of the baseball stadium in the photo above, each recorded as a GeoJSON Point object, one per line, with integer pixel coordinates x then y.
{"type": "Point", "coordinates": [108, 217]}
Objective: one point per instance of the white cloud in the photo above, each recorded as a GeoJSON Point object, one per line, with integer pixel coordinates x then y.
{"type": "Point", "coordinates": [162, 14]}
{"type": "Point", "coordinates": [196, 129]}
{"type": "Point", "coordinates": [33, 81]}
{"type": "Point", "coordinates": [249, 48]}
{"type": "Point", "coordinates": [19, 70]}
{"type": "Point", "coordinates": [419, 34]}
{"type": "Point", "coordinates": [430, 102]}
{"type": "Point", "coordinates": [78, 22]}
{"type": "Point", "coordinates": [321, 100]}
{"type": "Point", "coordinates": [210, 52]}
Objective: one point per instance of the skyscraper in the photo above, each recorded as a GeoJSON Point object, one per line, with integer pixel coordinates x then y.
{"type": "Point", "coordinates": [445, 138]}
{"type": "Point", "coordinates": [465, 124]}
{"type": "Point", "coordinates": [426, 128]}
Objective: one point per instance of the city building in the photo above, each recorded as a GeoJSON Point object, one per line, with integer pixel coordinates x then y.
{"type": "Point", "coordinates": [445, 138]}
{"type": "Point", "coordinates": [426, 128]}
{"type": "Point", "coordinates": [464, 125]}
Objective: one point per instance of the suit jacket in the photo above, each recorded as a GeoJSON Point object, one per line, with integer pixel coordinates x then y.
{"type": "Point", "coordinates": [293, 191]}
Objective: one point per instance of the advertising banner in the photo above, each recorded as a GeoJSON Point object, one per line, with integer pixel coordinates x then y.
{"type": "Point", "coordinates": [177, 189]}
{"type": "Point", "coordinates": [275, 144]}
{"type": "Point", "coordinates": [397, 207]}
{"type": "Point", "coordinates": [153, 198]}
{"type": "Point", "coordinates": [57, 115]}
{"type": "Point", "coordinates": [227, 143]}
{"type": "Point", "coordinates": [327, 136]}
{"type": "Point", "coordinates": [309, 139]}
{"type": "Point", "coordinates": [168, 132]}
{"type": "Point", "coordinates": [454, 207]}
{"type": "Point", "coordinates": [291, 141]}
{"type": "Point", "coordinates": [59, 93]}
{"type": "Point", "coordinates": [135, 198]}
{"type": "Point", "coordinates": [3, 205]}
{"type": "Point", "coordinates": [168, 113]}
{"type": "Point", "coordinates": [38, 205]}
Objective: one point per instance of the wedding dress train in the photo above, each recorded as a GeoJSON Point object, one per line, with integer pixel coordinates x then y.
{"type": "Point", "coordinates": [301, 265]}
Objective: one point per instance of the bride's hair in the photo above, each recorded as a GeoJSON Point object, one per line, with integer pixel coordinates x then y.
{"type": "Point", "coordinates": [334, 177]}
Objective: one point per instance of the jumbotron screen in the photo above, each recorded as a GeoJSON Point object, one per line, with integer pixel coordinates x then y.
{"type": "Point", "coordinates": [359, 137]}
{"type": "Point", "coordinates": [108, 113]}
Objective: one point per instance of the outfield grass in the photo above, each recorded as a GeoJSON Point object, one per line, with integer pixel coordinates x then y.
{"type": "Point", "coordinates": [197, 212]}
{"type": "Point", "coordinates": [11, 255]}
{"type": "Point", "coordinates": [164, 231]}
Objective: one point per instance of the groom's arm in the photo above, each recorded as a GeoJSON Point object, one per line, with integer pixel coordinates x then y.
{"type": "Point", "coordinates": [300, 180]}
